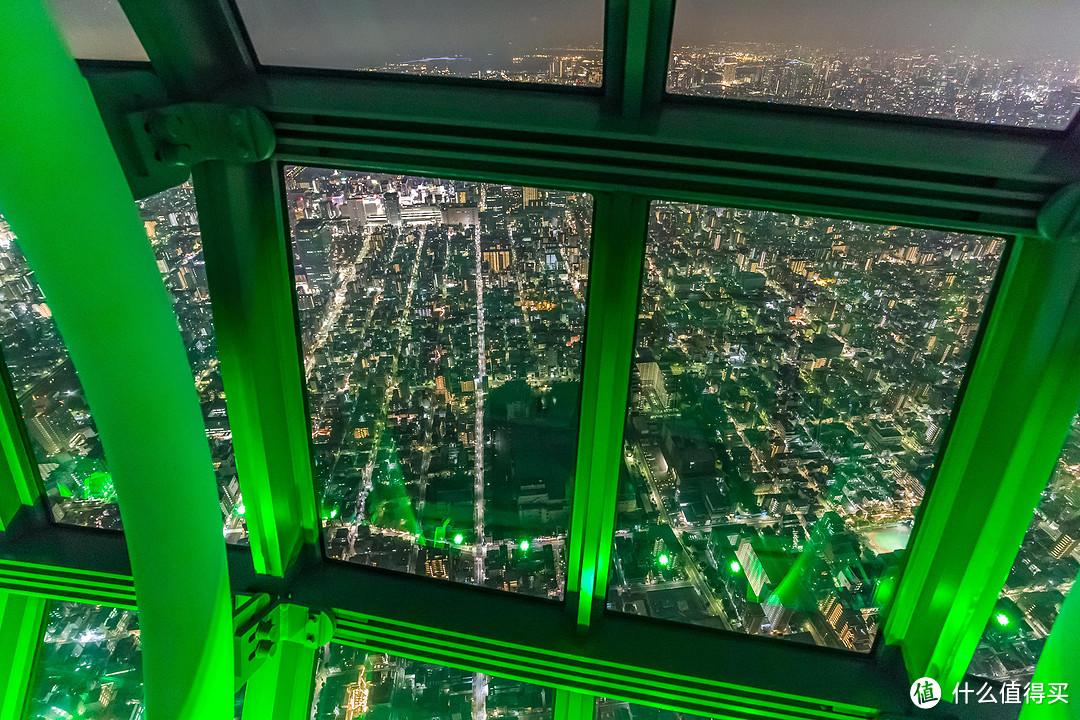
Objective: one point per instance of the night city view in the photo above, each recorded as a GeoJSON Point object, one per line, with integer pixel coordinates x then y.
{"type": "Point", "coordinates": [1045, 569]}
{"type": "Point", "coordinates": [59, 422]}
{"type": "Point", "coordinates": [351, 683]}
{"type": "Point", "coordinates": [793, 378]}
{"type": "Point", "coordinates": [550, 41]}
{"type": "Point", "coordinates": [443, 326]}
{"type": "Point", "coordinates": [90, 666]}
{"type": "Point", "coordinates": [971, 60]}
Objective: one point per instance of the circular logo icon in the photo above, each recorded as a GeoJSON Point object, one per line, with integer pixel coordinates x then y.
{"type": "Point", "coordinates": [925, 693]}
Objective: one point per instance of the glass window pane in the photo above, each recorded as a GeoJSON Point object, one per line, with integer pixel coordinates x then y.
{"type": "Point", "coordinates": [70, 457]}
{"type": "Point", "coordinates": [350, 683]}
{"type": "Point", "coordinates": [549, 41]}
{"type": "Point", "coordinates": [97, 30]}
{"type": "Point", "coordinates": [1043, 574]}
{"type": "Point", "coordinates": [442, 326]}
{"type": "Point", "coordinates": [792, 380]}
{"type": "Point", "coordinates": [607, 709]}
{"type": "Point", "coordinates": [90, 666]}
{"type": "Point", "coordinates": [172, 224]}
{"type": "Point", "coordinates": [972, 60]}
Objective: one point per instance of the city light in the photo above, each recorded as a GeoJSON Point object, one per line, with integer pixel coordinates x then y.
{"type": "Point", "coordinates": [241, 509]}
{"type": "Point", "coordinates": [734, 566]}
{"type": "Point", "coordinates": [524, 546]}
{"type": "Point", "coordinates": [1002, 619]}
{"type": "Point", "coordinates": [663, 559]}
{"type": "Point", "coordinates": [458, 539]}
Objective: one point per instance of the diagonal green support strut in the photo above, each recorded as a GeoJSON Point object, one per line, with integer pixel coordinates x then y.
{"type": "Point", "coordinates": [65, 196]}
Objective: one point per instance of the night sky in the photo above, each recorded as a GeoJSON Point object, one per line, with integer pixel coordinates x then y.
{"type": "Point", "coordinates": [363, 33]}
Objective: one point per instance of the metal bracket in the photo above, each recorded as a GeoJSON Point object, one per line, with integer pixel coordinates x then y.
{"type": "Point", "coordinates": [1059, 219]}
{"type": "Point", "coordinates": [191, 133]}
{"type": "Point", "coordinates": [261, 625]}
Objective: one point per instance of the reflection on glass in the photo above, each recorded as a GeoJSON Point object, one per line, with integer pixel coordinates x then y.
{"type": "Point", "coordinates": [607, 709]}
{"type": "Point", "coordinates": [351, 684]}
{"type": "Point", "coordinates": [1043, 574]}
{"type": "Point", "coordinates": [442, 326]}
{"type": "Point", "coordinates": [792, 380]}
{"type": "Point", "coordinates": [90, 666]}
{"type": "Point", "coordinates": [97, 30]}
{"type": "Point", "coordinates": [972, 60]}
{"type": "Point", "coordinates": [548, 41]}
{"type": "Point", "coordinates": [61, 428]}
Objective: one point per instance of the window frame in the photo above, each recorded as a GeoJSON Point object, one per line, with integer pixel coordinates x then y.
{"type": "Point", "coordinates": [628, 144]}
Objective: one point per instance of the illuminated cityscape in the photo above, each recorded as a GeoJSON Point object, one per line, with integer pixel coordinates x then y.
{"type": "Point", "coordinates": [90, 666]}
{"type": "Point", "coordinates": [1042, 575]}
{"type": "Point", "coordinates": [442, 326]}
{"type": "Point", "coordinates": [351, 683]}
{"type": "Point", "coordinates": [793, 378]}
{"type": "Point", "coordinates": [948, 83]}
{"type": "Point", "coordinates": [59, 422]}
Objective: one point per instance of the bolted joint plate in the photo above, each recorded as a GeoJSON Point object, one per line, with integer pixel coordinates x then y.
{"type": "Point", "coordinates": [261, 625]}
{"type": "Point", "coordinates": [1059, 219]}
{"type": "Point", "coordinates": [191, 133]}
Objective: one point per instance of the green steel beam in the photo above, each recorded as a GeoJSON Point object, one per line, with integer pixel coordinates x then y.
{"type": "Point", "coordinates": [1013, 416]}
{"type": "Point", "coordinates": [195, 46]}
{"type": "Point", "coordinates": [1058, 663]}
{"type": "Point", "coordinates": [113, 310]}
{"type": "Point", "coordinates": [20, 485]}
{"type": "Point", "coordinates": [249, 268]}
{"type": "Point", "coordinates": [119, 93]}
{"type": "Point", "coordinates": [22, 622]}
{"type": "Point", "coordinates": [571, 705]}
{"type": "Point", "coordinates": [281, 688]}
{"type": "Point", "coordinates": [618, 250]}
{"type": "Point", "coordinates": [647, 36]}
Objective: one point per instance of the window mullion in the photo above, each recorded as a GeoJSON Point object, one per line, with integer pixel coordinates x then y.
{"type": "Point", "coordinates": [1020, 398]}
{"type": "Point", "coordinates": [249, 271]}
{"type": "Point", "coordinates": [19, 484]}
{"type": "Point", "coordinates": [573, 706]}
{"type": "Point", "coordinates": [618, 251]}
{"type": "Point", "coordinates": [22, 622]}
{"type": "Point", "coordinates": [281, 689]}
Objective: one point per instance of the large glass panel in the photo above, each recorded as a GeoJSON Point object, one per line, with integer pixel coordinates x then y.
{"type": "Point", "coordinates": [351, 683]}
{"type": "Point", "coordinates": [97, 30]}
{"type": "Point", "coordinates": [1010, 63]}
{"type": "Point", "coordinates": [792, 380]}
{"type": "Point", "coordinates": [442, 326]}
{"type": "Point", "coordinates": [1043, 574]}
{"type": "Point", "coordinates": [172, 224]}
{"type": "Point", "coordinates": [548, 41]}
{"type": "Point", "coordinates": [90, 666]}
{"type": "Point", "coordinates": [59, 422]}
{"type": "Point", "coordinates": [607, 709]}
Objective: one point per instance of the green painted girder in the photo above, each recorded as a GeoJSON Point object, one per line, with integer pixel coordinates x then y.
{"type": "Point", "coordinates": [22, 622]}
{"type": "Point", "coordinates": [571, 705]}
{"type": "Point", "coordinates": [1013, 415]}
{"type": "Point", "coordinates": [249, 269]}
{"type": "Point", "coordinates": [107, 297]}
{"type": "Point", "coordinates": [616, 257]}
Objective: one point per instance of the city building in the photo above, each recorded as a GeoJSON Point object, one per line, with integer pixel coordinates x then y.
{"type": "Point", "coordinates": [655, 361]}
